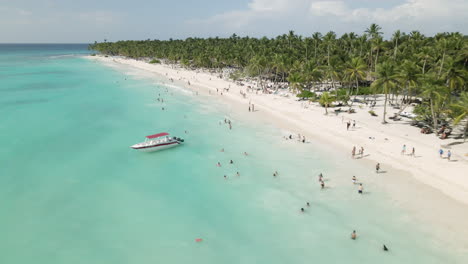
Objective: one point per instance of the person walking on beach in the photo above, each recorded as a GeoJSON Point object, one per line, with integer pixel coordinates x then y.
{"type": "Point", "coordinates": [362, 152]}
{"type": "Point", "coordinates": [353, 235]}
{"type": "Point", "coordinates": [353, 152]}
{"type": "Point", "coordinates": [413, 152]}
{"type": "Point", "coordinates": [441, 152]}
{"type": "Point", "coordinates": [377, 168]}
{"type": "Point", "coordinates": [249, 108]}
{"type": "Point", "coordinates": [449, 154]}
{"type": "Point", "coordinates": [347, 125]}
{"type": "Point", "coordinates": [354, 123]}
{"type": "Point", "coordinates": [360, 188]}
{"type": "Point", "coordinates": [403, 150]}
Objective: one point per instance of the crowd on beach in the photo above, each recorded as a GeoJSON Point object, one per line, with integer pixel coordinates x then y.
{"type": "Point", "coordinates": [351, 125]}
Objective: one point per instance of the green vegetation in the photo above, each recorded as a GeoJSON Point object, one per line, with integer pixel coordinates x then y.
{"type": "Point", "coordinates": [405, 67]}
{"type": "Point", "coordinates": [153, 61]}
{"type": "Point", "coordinates": [326, 100]}
{"type": "Point", "coordinates": [306, 94]}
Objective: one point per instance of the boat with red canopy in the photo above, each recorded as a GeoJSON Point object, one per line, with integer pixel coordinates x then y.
{"type": "Point", "coordinates": [157, 142]}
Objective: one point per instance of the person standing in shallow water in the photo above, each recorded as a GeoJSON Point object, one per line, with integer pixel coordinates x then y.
{"type": "Point", "coordinates": [353, 235]}
{"type": "Point", "coordinates": [360, 188]}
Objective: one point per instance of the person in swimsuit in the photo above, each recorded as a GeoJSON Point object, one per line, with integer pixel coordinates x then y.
{"type": "Point", "coordinates": [353, 235]}
{"type": "Point", "coordinates": [322, 184]}
{"type": "Point", "coordinates": [308, 204]}
{"type": "Point", "coordinates": [231, 162]}
{"type": "Point", "coordinates": [385, 248]}
{"type": "Point", "coordinates": [354, 179]}
{"type": "Point", "coordinates": [238, 174]}
{"type": "Point", "coordinates": [377, 168]}
{"type": "Point", "coordinates": [360, 188]}
{"type": "Point", "coordinates": [302, 210]}
{"type": "Point", "coordinates": [219, 164]}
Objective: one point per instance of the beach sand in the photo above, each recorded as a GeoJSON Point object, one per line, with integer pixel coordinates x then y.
{"type": "Point", "coordinates": [382, 143]}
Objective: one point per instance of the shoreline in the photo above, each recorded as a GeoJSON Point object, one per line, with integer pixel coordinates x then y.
{"type": "Point", "coordinates": [382, 143]}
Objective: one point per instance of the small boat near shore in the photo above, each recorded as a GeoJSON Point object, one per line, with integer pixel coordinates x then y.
{"type": "Point", "coordinates": [158, 142]}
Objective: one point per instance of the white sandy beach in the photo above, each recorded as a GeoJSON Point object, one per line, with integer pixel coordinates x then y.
{"type": "Point", "coordinates": [382, 142]}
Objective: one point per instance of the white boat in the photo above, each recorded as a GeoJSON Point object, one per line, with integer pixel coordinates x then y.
{"type": "Point", "coordinates": [157, 142]}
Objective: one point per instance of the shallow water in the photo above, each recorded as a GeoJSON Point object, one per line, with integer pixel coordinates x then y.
{"type": "Point", "coordinates": [72, 191]}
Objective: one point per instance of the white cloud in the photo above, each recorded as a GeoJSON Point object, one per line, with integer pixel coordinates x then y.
{"type": "Point", "coordinates": [428, 16]}
{"type": "Point", "coordinates": [99, 17]}
{"type": "Point", "coordinates": [325, 8]}
{"type": "Point", "coordinates": [417, 10]}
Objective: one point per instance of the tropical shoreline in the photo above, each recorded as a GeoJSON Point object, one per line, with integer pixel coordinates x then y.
{"type": "Point", "coordinates": [382, 143]}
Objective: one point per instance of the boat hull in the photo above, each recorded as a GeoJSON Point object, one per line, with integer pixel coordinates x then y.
{"type": "Point", "coordinates": [156, 147]}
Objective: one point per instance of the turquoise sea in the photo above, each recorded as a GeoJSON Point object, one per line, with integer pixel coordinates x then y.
{"type": "Point", "coordinates": [72, 191]}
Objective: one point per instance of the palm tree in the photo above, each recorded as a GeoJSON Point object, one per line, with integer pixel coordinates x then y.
{"type": "Point", "coordinates": [374, 30]}
{"type": "Point", "coordinates": [434, 93]}
{"type": "Point", "coordinates": [462, 106]}
{"type": "Point", "coordinates": [386, 80]}
{"type": "Point", "coordinates": [329, 40]}
{"type": "Point", "coordinates": [396, 38]}
{"type": "Point", "coordinates": [296, 80]}
{"type": "Point", "coordinates": [455, 77]}
{"type": "Point", "coordinates": [317, 37]}
{"type": "Point", "coordinates": [356, 71]}
{"type": "Point", "coordinates": [409, 77]}
{"type": "Point", "coordinates": [325, 100]}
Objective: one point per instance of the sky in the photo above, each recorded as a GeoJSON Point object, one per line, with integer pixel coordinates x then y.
{"type": "Point", "coordinates": [86, 21]}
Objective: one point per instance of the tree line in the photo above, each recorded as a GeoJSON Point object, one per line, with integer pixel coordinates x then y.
{"type": "Point", "coordinates": [403, 67]}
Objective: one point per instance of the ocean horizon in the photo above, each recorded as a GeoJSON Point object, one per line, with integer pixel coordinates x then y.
{"type": "Point", "coordinates": [73, 191]}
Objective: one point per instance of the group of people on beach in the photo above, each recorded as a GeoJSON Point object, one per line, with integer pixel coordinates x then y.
{"type": "Point", "coordinates": [403, 151]}
{"type": "Point", "coordinates": [449, 154]}
{"type": "Point", "coordinates": [300, 138]}
{"type": "Point", "coordinates": [360, 153]}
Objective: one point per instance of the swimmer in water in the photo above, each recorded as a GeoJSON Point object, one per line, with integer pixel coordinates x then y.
{"type": "Point", "coordinates": [219, 164]}
{"type": "Point", "coordinates": [225, 177]}
{"type": "Point", "coordinates": [222, 150]}
{"type": "Point", "coordinates": [322, 184]}
{"type": "Point", "coordinates": [231, 162]}
{"type": "Point", "coordinates": [302, 210]}
{"type": "Point", "coordinates": [385, 248]}
{"type": "Point", "coordinates": [308, 204]}
{"type": "Point", "coordinates": [353, 235]}
{"type": "Point", "coordinates": [320, 177]}
{"type": "Point", "coordinates": [238, 174]}
{"type": "Point", "coordinates": [246, 154]}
